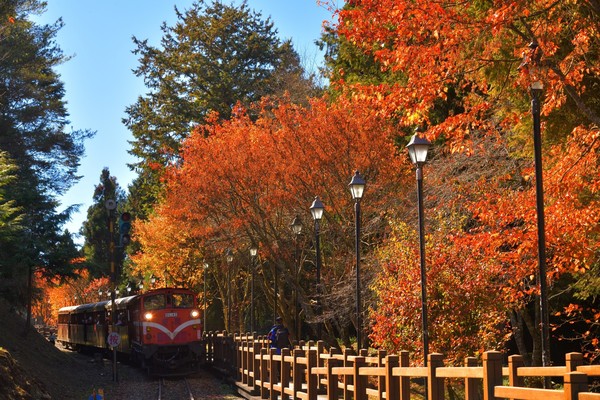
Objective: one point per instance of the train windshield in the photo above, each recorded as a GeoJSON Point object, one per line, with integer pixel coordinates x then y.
{"type": "Point", "coordinates": [155, 302]}
{"type": "Point", "coordinates": [174, 300]}
{"type": "Point", "coordinates": [182, 300]}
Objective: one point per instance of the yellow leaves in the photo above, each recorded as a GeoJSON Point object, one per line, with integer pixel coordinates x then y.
{"type": "Point", "coordinates": [414, 118]}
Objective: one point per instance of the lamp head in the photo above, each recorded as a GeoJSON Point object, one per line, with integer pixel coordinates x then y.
{"type": "Point", "coordinates": [316, 209]}
{"type": "Point", "coordinates": [357, 186]}
{"type": "Point", "coordinates": [417, 149]}
{"type": "Point", "coordinates": [296, 225]}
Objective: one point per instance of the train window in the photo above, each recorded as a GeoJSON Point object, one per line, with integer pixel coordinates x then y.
{"type": "Point", "coordinates": [155, 302]}
{"type": "Point", "coordinates": [182, 300]}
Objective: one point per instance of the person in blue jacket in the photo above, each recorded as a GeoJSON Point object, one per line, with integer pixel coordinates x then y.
{"type": "Point", "coordinates": [279, 336]}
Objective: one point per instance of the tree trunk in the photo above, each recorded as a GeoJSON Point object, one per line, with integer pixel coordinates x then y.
{"type": "Point", "coordinates": [517, 324]}
{"type": "Point", "coordinates": [29, 301]}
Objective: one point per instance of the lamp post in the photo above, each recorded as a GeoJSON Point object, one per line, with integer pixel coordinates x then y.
{"type": "Point", "coordinates": [99, 294]}
{"type": "Point", "coordinates": [229, 256]}
{"type": "Point", "coordinates": [316, 209]}
{"type": "Point", "coordinates": [152, 280]}
{"type": "Point", "coordinates": [275, 290]}
{"type": "Point", "coordinates": [417, 148]}
{"type": "Point", "coordinates": [204, 296]}
{"type": "Point", "coordinates": [253, 252]}
{"type": "Point", "coordinates": [357, 187]}
{"type": "Point", "coordinates": [536, 90]}
{"type": "Point", "coordinates": [141, 286]}
{"type": "Point", "coordinates": [296, 226]}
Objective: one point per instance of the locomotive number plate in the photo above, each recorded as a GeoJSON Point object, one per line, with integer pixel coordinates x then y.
{"type": "Point", "coordinates": [171, 314]}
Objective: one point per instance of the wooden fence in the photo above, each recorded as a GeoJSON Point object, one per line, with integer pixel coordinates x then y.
{"type": "Point", "coordinates": [311, 372]}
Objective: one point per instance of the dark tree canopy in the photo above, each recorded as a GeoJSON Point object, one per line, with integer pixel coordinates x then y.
{"type": "Point", "coordinates": [95, 228]}
{"type": "Point", "coordinates": [34, 138]}
{"type": "Point", "coordinates": [215, 56]}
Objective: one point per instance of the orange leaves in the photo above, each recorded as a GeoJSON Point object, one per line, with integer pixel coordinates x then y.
{"type": "Point", "coordinates": [246, 177]}
{"type": "Point", "coordinates": [478, 47]}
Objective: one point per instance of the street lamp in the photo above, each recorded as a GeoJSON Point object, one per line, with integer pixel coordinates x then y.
{"type": "Point", "coordinates": [316, 209]}
{"type": "Point", "coordinates": [129, 287]}
{"type": "Point", "coordinates": [253, 252]}
{"type": "Point", "coordinates": [141, 285]}
{"type": "Point", "coordinates": [204, 297]}
{"type": "Point", "coordinates": [229, 257]}
{"type": "Point", "coordinates": [152, 280]}
{"type": "Point", "coordinates": [357, 187]}
{"type": "Point", "coordinates": [275, 287]}
{"type": "Point", "coordinates": [99, 294]}
{"type": "Point", "coordinates": [536, 91]}
{"type": "Point", "coordinates": [417, 148]}
{"type": "Point", "coordinates": [296, 226]}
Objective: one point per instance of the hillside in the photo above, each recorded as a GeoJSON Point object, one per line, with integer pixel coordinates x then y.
{"type": "Point", "coordinates": [33, 368]}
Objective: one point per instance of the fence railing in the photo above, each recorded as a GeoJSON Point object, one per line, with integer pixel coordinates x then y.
{"type": "Point", "coordinates": [310, 371]}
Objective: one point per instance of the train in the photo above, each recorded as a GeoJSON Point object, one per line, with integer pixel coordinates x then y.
{"type": "Point", "coordinates": [160, 330]}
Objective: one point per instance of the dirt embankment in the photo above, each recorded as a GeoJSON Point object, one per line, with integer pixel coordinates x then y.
{"type": "Point", "coordinates": [32, 368]}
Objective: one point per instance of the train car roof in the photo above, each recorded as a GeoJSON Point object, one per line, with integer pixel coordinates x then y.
{"type": "Point", "coordinates": [121, 303]}
{"type": "Point", "coordinates": [166, 290]}
{"type": "Point", "coordinates": [67, 309]}
{"type": "Point", "coordinates": [81, 308]}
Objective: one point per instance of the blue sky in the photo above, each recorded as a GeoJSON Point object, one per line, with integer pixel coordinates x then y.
{"type": "Point", "coordinates": [99, 81]}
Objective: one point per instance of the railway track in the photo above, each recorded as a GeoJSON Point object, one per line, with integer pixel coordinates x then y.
{"type": "Point", "coordinates": [174, 389]}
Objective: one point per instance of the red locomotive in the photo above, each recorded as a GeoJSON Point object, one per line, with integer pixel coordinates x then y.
{"type": "Point", "coordinates": [160, 329]}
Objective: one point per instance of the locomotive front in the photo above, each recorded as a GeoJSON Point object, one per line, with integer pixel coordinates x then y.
{"type": "Point", "coordinates": [168, 332]}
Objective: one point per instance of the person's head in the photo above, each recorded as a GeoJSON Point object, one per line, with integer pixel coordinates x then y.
{"type": "Point", "coordinates": [279, 320]}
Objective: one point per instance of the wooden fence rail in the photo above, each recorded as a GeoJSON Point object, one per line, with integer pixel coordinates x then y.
{"type": "Point", "coordinates": [311, 372]}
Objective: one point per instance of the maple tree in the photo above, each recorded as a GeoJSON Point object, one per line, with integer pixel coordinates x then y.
{"type": "Point", "coordinates": [242, 181]}
{"type": "Point", "coordinates": [464, 70]}
{"type": "Point", "coordinates": [81, 288]}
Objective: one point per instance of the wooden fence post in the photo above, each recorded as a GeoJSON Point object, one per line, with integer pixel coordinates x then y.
{"type": "Point", "coordinates": [297, 369]}
{"type": "Point", "coordinates": [332, 380]}
{"type": "Point", "coordinates": [273, 373]}
{"type": "Point", "coordinates": [392, 384]}
{"type": "Point", "coordinates": [284, 373]}
{"type": "Point", "coordinates": [320, 362]}
{"type": "Point", "coordinates": [381, 379]}
{"type": "Point", "coordinates": [232, 354]}
{"type": "Point", "coordinates": [255, 363]}
{"type": "Point", "coordinates": [347, 379]}
{"type": "Point", "coordinates": [575, 382]}
{"type": "Point", "coordinates": [311, 378]}
{"type": "Point", "coordinates": [492, 373]}
{"type": "Point", "coordinates": [263, 373]}
{"type": "Point", "coordinates": [404, 380]}
{"type": "Point", "coordinates": [471, 384]}
{"type": "Point", "coordinates": [360, 382]}
{"type": "Point", "coordinates": [435, 385]}
{"type": "Point", "coordinates": [245, 350]}
{"type": "Point", "coordinates": [573, 360]}
{"type": "Point", "coordinates": [514, 363]}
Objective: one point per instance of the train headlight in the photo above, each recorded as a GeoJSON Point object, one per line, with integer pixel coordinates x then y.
{"type": "Point", "coordinates": [148, 316]}
{"type": "Point", "coordinates": [195, 314]}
